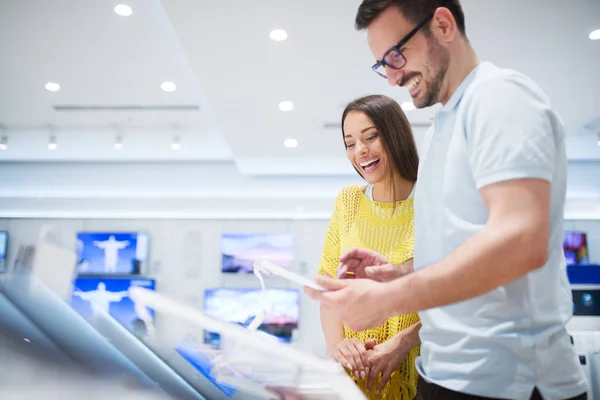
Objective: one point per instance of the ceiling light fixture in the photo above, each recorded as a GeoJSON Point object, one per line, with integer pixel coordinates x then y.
{"type": "Point", "coordinates": [595, 35]}
{"type": "Point", "coordinates": [176, 145]}
{"type": "Point", "coordinates": [52, 86]}
{"type": "Point", "coordinates": [408, 106]}
{"type": "Point", "coordinates": [286, 106]}
{"type": "Point", "coordinates": [168, 86]}
{"type": "Point", "coordinates": [278, 35]}
{"type": "Point", "coordinates": [290, 143]}
{"type": "Point", "coordinates": [3, 143]}
{"type": "Point", "coordinates": [123, 10]}
{"type": "Point", "coordinates": [52, 143]}
{"type": "Point", "coordinates": [118, 143]}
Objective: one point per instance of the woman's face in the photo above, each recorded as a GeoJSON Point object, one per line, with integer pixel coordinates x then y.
{"type": "Point", "coordinates": [364, 148]}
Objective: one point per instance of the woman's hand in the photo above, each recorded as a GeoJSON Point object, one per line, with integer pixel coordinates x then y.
{"type": "Point", "coordinates": [387, 357]}
{"type": "Point", "coordinates": [352, 355]}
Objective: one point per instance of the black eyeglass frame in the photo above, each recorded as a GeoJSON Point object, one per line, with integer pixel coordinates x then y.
{"type": "Point", "coordinates": [398, 46]}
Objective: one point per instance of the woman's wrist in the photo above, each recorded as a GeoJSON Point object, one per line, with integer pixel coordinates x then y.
{"type": "Point", "coordinates": [408, 338]}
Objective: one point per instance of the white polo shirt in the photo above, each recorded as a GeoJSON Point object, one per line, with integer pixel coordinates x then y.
{"type": "Point", "coordinates": [497, 126]}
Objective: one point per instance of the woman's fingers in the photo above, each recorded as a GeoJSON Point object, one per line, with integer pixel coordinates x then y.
{"type": "Point", "coordinates": [344, 361]}
{"type": "Point", "coordinates": [385, 377]}
{"type": "Point", "coordinates": [373, 373]}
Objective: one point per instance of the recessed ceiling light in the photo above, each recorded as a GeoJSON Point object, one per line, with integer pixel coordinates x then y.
{"type": "Point", "coordinates": [4, 143]}
{"type": "Point", "coordinates": [408, 106]}
{"type": "Point", "coordinates": [290, 143]}
{"type": "Point", "coordinates": [595, 35]}
{"type": "Point", "coordinates": [52, 143]}
{"type": "Point", "coordinates": [286, 106]}
{"type": "Point", "coordinates": [278, 35]}
{"type": "Point", "coordinates": [52, 87]}
{"type": "Point", "coordinates": [118, 143]}
{"type": "Point", "coordinates": [123, 10]}
{"type": "Point", "coordinates": [176, 145]}
{"type": "Point", "coordinates": [168, 86]}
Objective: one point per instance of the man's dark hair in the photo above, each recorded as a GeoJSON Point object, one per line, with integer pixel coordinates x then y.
{"type": "Point", "coordinates": [413, 10]}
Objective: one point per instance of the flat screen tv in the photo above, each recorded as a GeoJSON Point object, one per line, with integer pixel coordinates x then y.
{"type": "Point", "coordinates": [576, 248]}
{"type": "Point", "coordinates": [240, 250]}
{"type": "Point", "coordinates": [3, 244]}
{"type": "Point", "coordinates": [242, 305]}
{"type": "Point", "coordinates": [111, 253]}
{"type": "Point", "coordinates": [110, 295]}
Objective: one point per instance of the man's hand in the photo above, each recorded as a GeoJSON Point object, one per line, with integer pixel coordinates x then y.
{"type": "Point", "coordinates": [368, 264]}
{"type": "Point", "coordinates": [354, 261]}
{"type": "Point", "coordinates": [357, 303]}
{"type": "Point", "coordinates": [352, 355]}
{"type": "Point", "coordinates": [389, 272]}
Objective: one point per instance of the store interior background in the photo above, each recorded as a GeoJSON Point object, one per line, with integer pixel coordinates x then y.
{"type": "Point", "coordinates": [232, 172]}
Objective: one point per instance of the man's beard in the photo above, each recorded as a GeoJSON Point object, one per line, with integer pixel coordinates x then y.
{"type": "Point", "coordinates": [439, 61]}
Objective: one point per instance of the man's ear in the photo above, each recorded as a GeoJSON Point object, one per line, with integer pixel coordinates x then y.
{"type": "Point", "coordinates": [444, 24]}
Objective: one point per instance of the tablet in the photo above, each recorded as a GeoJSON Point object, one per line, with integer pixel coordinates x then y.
{"type": "Point", "coordinates": [273, 269]}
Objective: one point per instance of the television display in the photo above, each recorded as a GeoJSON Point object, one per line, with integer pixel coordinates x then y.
{"type": "Point", "coordinates": [586, 302]}
{"type": "Point", "coordinates": [95, 295]}
{"type": "Point", "coordinates": [240, 250]}
{"type": "Point", "coordinates": [3, 244]}
{"type": "Point", "coordinates": [575, 248]}
{"type": "Point", "coordinates": [282, 310]}
{"type": "Point", "coordinates": [111, 252]}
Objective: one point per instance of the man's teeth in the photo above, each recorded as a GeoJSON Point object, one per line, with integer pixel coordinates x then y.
{"type": "Point", "coordinates": [413, 82]}
{"type": "Point", "coordinates": [367, 163]}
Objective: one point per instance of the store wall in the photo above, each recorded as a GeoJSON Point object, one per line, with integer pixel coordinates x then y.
{"type": "Point", "coordinates": [185, 257]}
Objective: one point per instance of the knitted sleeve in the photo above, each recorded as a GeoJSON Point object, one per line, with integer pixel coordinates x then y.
{"type": "Point", "coordinates": [331, 248]}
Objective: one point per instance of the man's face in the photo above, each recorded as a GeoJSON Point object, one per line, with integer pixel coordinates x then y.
{"type": "Point", "coordinates": [427, 60]}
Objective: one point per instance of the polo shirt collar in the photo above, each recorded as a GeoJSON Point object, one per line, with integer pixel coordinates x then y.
{"type": "Point", "coordinates": [461, 89]}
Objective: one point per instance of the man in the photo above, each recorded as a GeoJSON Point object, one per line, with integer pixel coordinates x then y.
{"type": "Point", "coordinates": [489, 275]}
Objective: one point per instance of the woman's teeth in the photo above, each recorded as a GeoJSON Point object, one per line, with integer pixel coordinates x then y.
{"type": "Point", "coordinates": [370, 165]}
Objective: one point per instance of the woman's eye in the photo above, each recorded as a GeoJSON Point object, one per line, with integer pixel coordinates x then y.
{"type": "Point", "coordinates": [372, 137]}
{"type": "Point", "coordinates": [349, 145]}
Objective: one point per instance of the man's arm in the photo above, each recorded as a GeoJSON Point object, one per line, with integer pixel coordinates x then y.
{"type": "Point", "coordinates": [513, 243]}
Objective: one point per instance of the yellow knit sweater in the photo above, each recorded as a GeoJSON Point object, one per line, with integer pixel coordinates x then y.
{"type": "Point", "coordinates": [388, 229]}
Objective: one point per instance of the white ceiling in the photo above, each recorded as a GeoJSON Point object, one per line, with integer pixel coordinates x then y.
{"type": "Point", "coordinates": [221, 58]}
{"type": "Point", "coordinates": [99, 59]}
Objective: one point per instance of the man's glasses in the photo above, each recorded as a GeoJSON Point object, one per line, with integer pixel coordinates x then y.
{"type": "Point", "coordinates": [393, 58]}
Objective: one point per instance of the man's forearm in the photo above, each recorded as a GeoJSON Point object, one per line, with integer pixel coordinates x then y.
{"type": "Point", "coordinates": [493, 257]}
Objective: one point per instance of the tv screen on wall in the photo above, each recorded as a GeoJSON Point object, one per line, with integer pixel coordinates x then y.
{"type": "Point", "coordinates": [111, 253]}
{"type": "Point", "coordinates": [242, 305]}
{"type": "Point", "coordinates": [575, 248]}
{"type": "Point", "coordinates": [240, 250]}
{"type": "Point", "coordinates": [110, 295]}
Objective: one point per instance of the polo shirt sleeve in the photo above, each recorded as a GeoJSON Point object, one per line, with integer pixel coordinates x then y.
{"type": "Point", "coordinates": [510, 132]}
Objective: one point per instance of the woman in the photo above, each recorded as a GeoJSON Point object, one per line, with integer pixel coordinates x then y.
{"type": "Point", "coordinates": [379, 216]}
